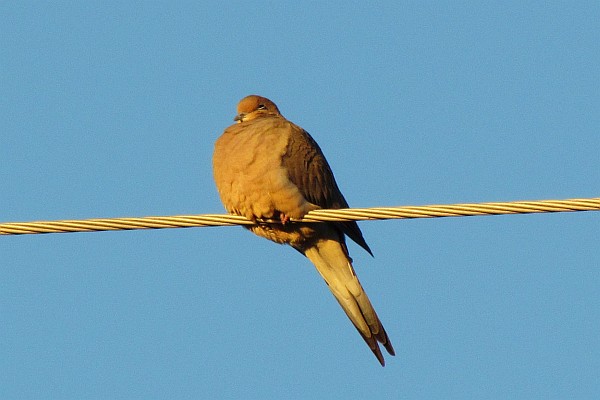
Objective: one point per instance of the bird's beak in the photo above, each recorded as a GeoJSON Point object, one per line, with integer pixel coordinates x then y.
{"type": "Point", "coordinates": [239, 118]}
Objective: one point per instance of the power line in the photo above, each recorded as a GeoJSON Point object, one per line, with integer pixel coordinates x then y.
{"type": "Point", "coordinates": [348, 214]}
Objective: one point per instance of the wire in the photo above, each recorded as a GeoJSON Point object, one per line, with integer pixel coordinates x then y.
{"type": "Point", "coordinates": [348, 214]}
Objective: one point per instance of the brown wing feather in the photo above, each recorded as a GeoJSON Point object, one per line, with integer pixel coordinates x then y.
{"type": "Point", "coordinates": [308, 169]}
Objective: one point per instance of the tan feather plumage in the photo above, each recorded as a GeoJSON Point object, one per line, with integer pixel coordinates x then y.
{"type": "Point", "coordinates": [267, 167]}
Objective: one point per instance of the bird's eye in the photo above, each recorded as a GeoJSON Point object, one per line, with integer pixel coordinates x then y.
{"type": "Point", "coordinates": [261, 107]}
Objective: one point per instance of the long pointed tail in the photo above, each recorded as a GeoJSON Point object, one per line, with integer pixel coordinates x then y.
{"type": "Point", "coordinates": [333, 263]}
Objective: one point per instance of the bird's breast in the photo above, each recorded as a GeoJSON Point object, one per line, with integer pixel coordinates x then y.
{"type": "Point", "coordinates": [249, 172]}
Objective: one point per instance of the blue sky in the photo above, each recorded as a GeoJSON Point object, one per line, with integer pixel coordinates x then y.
{"type": "Point", "coordinates": [111, 109]}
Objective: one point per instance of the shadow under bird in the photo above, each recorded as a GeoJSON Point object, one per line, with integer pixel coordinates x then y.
{"type": "Point", "coordinates": [266, 167]}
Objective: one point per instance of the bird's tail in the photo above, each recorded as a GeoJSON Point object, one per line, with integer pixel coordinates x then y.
{"type": "Point", "coordinates": [335, 266]}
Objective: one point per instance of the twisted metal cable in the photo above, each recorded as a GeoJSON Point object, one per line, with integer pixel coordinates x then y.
{"type": "Point", "coordinates": [348, 214]}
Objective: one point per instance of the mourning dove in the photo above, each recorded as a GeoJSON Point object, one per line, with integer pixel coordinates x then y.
{"type": "Point", "coordinates": [266, 167]}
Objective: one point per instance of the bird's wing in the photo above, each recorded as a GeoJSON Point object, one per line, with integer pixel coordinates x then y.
{"type": "Point", "coordinates": [308, 169]}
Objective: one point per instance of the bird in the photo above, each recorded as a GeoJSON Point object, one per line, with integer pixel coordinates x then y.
{"type": "Point", "coordinates": [272, 171]}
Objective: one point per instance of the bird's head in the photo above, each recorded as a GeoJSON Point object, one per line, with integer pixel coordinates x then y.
{"type": "Point", "coordinates": [252, 107]}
